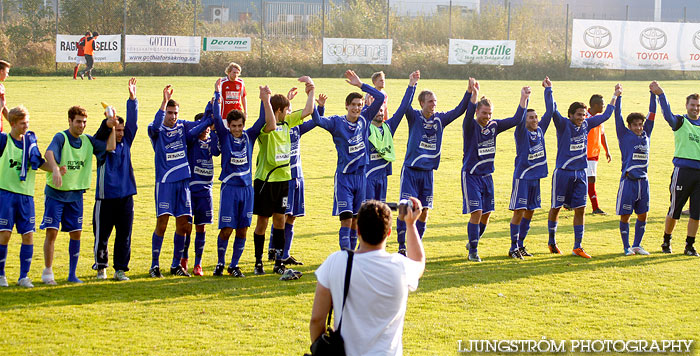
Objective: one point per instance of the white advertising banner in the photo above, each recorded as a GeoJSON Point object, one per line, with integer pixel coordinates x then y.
{"type": "Point", "coordinates": [356, 51]}
{"type": "Point", "coordinates": [226, 44]}
{"type": "Point", "coordinates": [635, 45]}
{"type": "Point", "coordinates": [162, 49]}
{"type": "Point", "coordinates": [481, 52]}
{"type": "Point", "coordinates": [108, 48]}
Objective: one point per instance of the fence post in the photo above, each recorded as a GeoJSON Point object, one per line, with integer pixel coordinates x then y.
{"type": "Point", "coordinates": [450, 14]}
{"type": "Point", "coordinates": [56, 19]}
{"type": "Point", "coordinates": [387, 17]}
{"type": "Point", "coordinates": [194, 19]}
{"type": "Point", "coordinates": [2, 11]}
{"type": "Point", "coordinates": [262, 27]}
{"type": "Point", "coordinates": [124, 40]}
{"type": "Point", "coordinates": [566, 37]}
{"type": "Point", "coordinates": [323, 20]}
{"type": "Point", "coordinates": [508, 29]}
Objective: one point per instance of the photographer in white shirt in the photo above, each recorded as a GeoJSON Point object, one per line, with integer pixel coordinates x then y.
{"type": "Point", "coordinates": [374, 312]}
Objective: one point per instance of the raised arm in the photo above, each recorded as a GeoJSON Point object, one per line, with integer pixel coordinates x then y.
{"type": "Point", "coordinates": [519, 116]}
{"type": "Point", "coordinates": [132, 113]}
{"type": "Point", "coordinates": [674, 121]}
{"type": "Point", "coordinates": [321, 104]}
{"type": "Point", "coordinates": [309, 107]}
{"type": "Point", "coordinates": [219, 127]}
{"type": "Point", "coordinates": [594, 121]}
{"type": "Point", "coordinates": [395, 120]}
{"type": "Point", "coordinates": [649, 123]}
{"type": "Point", "coordinates": [461, 108]}
{"type": "Point", "coordinates": [160, 115]}
{"type": "Point", "coordinates": [266, 110]}
{"type": "Point", "coordinates": [473, 89]}
{"type": "Point", "coordinates": [372, 110]}
{"type": "Point", "coordinates": [620, 128]}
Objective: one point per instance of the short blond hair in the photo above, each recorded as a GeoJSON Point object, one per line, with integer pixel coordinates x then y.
{"type": "Point", "coordinates": [17, 113]}
{"type": "Point", "coordinates": [230, 67]}
{"type": "Point", "coordinates": [4, 64]}
{"type": "Point", "coordinates": [377, 75]}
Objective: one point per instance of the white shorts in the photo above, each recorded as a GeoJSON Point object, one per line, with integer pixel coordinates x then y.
{"type": "Point", "coordinates": [592, 169]}
{"type": "Point", "coordinates": [80, 60]}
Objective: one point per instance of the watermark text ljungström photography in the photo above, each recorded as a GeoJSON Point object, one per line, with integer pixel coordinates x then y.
{"type": "Point", "coordinates": [545, 345]}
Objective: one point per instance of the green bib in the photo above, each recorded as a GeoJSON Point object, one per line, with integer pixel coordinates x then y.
{"type": "Point", "coordinates": [383, 143]}
{"type": "Point", "coordinates": [687, 139]}
{"type": "Point", "coordinates": [10, 166]}
{"type": "Point", "coordinates": [272, 164]}
{"type": "Point", "coordinates": [78, 162]}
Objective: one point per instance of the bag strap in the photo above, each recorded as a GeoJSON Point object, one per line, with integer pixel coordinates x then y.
{"type": "Point", "coordinates": [346, 288]}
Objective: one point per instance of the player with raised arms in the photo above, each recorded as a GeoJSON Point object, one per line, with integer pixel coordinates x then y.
{"type": "Point", "coordinates": [273, 171]}
{"type": "Point", "coordinates": [633, 193]}
{"type": "Point", "coordinates": [423, 150]}
{"type": "Point", "coordinates": [685, 180]}
{"type": "Point", "coordinates": [569, 182]}
{"type": "Point", "coordinates": [350, 136]}
{"type": "Point", "coordinates": [172, 192]}
{"type": "Point", "coordinates": [530, 168]}
{"type": "Point", "coordinates": [479, 138]}
{"type": "Point", "coordinates": [19, 159]}
{"type": "Point", "coordinates": [200, 150]}
{"type": "Point", "coordinates": [63, 203]}
{"type": "Point", "coordinates": [381, 144]}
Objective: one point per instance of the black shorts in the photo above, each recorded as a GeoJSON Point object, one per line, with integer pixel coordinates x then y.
{"type": "Point", "coordinates": [270, 197]}
{"type": "Point", "coordinates": [685, 184]}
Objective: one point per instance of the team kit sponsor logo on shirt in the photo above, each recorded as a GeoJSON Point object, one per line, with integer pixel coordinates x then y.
{"type": "Point", "coordinates": [175, 156]}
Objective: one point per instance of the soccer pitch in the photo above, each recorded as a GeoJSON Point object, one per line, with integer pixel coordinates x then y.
{"type": "Point", "coordinates": [559, 297]}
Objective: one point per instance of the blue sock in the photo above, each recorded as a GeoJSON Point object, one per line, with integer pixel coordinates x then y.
{"type": "Point", "coordinates": [482, 229]}
{"type": "Point", "coordinates": [178, 247]}
{"type": "Point", "coordinates": [353, 239]}
{"type": "Point", "coordinates": [74, 253]}
{"type": "Point", "coordinates": [26, 252]}
{"type": "Point", "coordinates": [238, 247]}
{"type": "Point", "coordinates": [552, 226]}
{"type": "Point", "coordinates": [344, 237]}
{"type": "Point", "coordinates": [185, 251]}
{"type": "Point", "coordinates": [3, 258]}
{"type": "Point", "coordinates": [156, 244]}
{"type": "Point", "coordinates": [473, 236]}
{"type": "Point", "coordinates": [578, 235]}
{"type": "Point", "coordinates": [269, 245]}
{"type": "Point", "coordinates": [639, 228]}
{"type": "Point", "coordinates": [221, 246]}
{"type": "Point", "coordinates": [514, 234]}
{"type": "Point", "coordinates": [401, 233]}
{"type": "Point", "coordinates": [625, 234]}
{"type": "Point", "coordinates": [199, 239]}
{"type": "Point", "coordinates": [524, 228]}
{"type": "Point", "coordinates": [420, 225]}
{"type": "Point", "coordinates": [288, 236]}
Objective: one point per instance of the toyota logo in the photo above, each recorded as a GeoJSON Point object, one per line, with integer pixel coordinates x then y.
{"type": "Point", "coordinates": [597, 37]}
{"type": "Point", "coordinates": [696, 40]}
{"type": "Point", "coordinates": [652, 38]}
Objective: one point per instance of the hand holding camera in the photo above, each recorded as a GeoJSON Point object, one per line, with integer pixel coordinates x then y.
{"type": "Point", "coordinates": [409, 210]}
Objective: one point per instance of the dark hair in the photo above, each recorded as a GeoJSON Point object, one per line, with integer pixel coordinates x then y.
{"type": "Point", "coordinates": [632, 117]}
{"type": "Point", "coordinates": [596, 99]}
{"type": "Point", "coordinates": [423, 95]}
{"type": "Point", "coordinates": [4, 64]}
{"type": "Point", "coordinates": [575, 106]}
{"type": "Point", "coordinates": [530, 110]}
{"type": "Point", "coordinates": [374, 222]}
{"type": "Point", "coordinates": [76, 110]}
{"type": "Point", "coordinates": [235, 115]}
{"type": "Point", "coordinates": [88, 34]}
{"type": "Point", "coordinates": [694, 96]}
{"type": "Point", "coordinates": [278, 102]}
{"type": "Point", "coordinates": [172, 102]}
{"type": "Point", "coordinates": [198, 116]}
{"type": "Point", "coordinates": [484, 101]}
{"type": "Point", "coordinates": [120, 119]}
{"type": "Point", "coordinates": [95, 34]}
{"type": "Point", "coordinates": [352, 96]}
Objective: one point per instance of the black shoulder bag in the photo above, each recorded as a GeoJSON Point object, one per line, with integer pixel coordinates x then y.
{"type": "Point", "coordinates": [330, 342]}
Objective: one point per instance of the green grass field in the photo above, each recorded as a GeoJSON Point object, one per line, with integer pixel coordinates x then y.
{"type": "Point", "coordinates": [558, 297]}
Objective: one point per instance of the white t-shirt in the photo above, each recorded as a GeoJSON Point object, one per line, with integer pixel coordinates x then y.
{"type": "Point", "coordinates": [376, 305]}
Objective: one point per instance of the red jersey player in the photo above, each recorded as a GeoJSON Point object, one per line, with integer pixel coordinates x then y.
{"type": "Point", "coordinates": [233, 91]}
